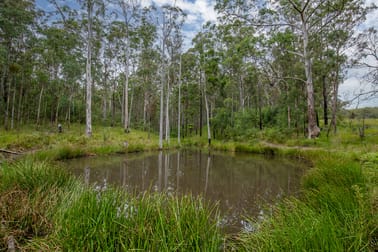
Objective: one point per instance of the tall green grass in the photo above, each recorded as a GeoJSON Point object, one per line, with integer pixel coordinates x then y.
{"type": "Point", "coordinates": [333, 214]}
{"type": "Point", "coordinates": [30, 176]}
{"type": "Point", "coordinates": [113, 221]}
{"type": "Point", "coordinates": [43, 208]}
{"type": "Point", "coordinates": [29, 194]}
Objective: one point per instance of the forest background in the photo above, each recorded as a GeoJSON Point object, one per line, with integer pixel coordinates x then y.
{"type": "Point", "coordinates": [262, 64]}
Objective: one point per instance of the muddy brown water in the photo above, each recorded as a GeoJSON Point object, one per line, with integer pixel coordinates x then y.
{"type": "Point", "coordinates": [243, 185]}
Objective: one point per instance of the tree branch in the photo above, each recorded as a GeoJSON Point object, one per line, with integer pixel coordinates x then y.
{"type": "Point", "coordinates": [370, 93]}
{"type": "Point", "coordinates": [10, 152]}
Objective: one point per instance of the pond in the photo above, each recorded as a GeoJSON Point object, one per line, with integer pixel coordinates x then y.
{"type": "Point", "coordinates": [242, 184]}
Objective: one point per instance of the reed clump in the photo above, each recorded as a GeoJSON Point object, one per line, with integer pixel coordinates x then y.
{"type": "Point", "coordinates": [43, 208]}
{"type": "Point", "coordinates": [334, 213]}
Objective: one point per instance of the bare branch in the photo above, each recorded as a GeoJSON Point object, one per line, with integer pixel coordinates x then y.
{"type": "Point", "coordinates": [296, 53]}
{"type": "Point", "coordinates": [370, 94]}
{"type": "Point", "coordinates": [296, 7]}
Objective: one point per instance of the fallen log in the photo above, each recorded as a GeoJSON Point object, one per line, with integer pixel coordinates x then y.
{"type": "Point", "coordinates": [10, 152]}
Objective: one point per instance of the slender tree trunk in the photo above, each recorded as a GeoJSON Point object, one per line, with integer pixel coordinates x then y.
{"type": "Point", "coordinates": [104, 108]}
{"type": "Point", "coordinates": [6, 115]}
{"type": "Point", "coordinates": [3, 80]}
{"type": "Point", "coordinates": [13, 104]}
{"type": "Point", "coordinates": [201, 105]}
{"type": "Point", "coordinates": [126, 95]}
{"type": "Point", "coordinates": [313, 129]}
{"type": "Point", "coordinates": [325, 100]}
{"type": "Point", "coordinates": [179, 107]}
{"type": "Point", "coordinates": [259, 104]}
{"type": "Point", "coordinates": [288, 117]}
{"type": "Point", "coordinates": [167, 129]}
{"type": "Point", "coordinates": [335, 91]}
{"type": "Point", "coordinates": [113, 105]}
{"type": "Point", "coordinates": [3, 85]}
{"type": "Point", "coordinates": [88, 73]}
{"type": "Point", "coordinates": [122, 103]}
{"type": "Point", "coordinates": [145, 104]}
{"type": "Point", "coordinates": [69, 110]}
{"type": "Point", "coordinates": [20, 105]}
{"type": "Point", "coordinates": [131, 108]}
{"type": "Point", "coordinates": [57, 111]}
{"type": "Point", "coordinates": [161, 120]}
{"type": "Point", "coordinates": [161, 111]}
{"type": "Point", "coordinates": [241, 93]}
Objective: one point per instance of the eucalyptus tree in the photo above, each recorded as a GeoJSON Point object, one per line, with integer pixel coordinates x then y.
{"type": "Point", "coordinates": [114, 38]}
{"type": "Point", "coordinates": [147, 67]}
{"type": "Point", "coordinates": [91, 8]}
{"type": "Point", "coordinates": [174, 48]}
{"type": "Point", "coordinates": [238, 43]}
{"type": "Point", "coordinates": [171, 19]}
{"type": "Point", "coordinates": [283, 72]}
{"type": "Point", "coordinates": [16, 19]}
{"type": "Point", "coordinates": [208, 70]}
{"type": "Point", "coordinates": [191, 98]}
{"type": "Point", "coordinates": [306, 18]}
{"type": "Point", "coordinates": [128, 11]}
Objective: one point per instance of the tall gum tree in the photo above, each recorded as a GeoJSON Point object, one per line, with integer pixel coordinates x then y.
{"type": "Point", "coordinates": [306, 18]}
{"type": "Point", "coordinates": [128, 12]}
{"type": "Point", "coordinates": [16, 19]}
{"type": "Point", "coordinates": [91, 7]}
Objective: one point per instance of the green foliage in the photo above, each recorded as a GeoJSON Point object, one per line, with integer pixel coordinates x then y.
{"type": "Point", "coordinates": [334, 213]}
{"type": "Point", "coordinates": [43, 207]}
{"type": "Point", "coordinates": [110, 220]}
{"type": "Point", "coordinates": [28, 175]}
{"type": "Point", "coordinates": [29, 194]}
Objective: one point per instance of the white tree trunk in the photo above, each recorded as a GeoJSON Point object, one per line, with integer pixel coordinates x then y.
{"type": "Point", "coordinates": [313, 129]}
{"type": "Point", "coordinates": [13, 106]}
{"type": "Point", "coordinates": [39, 105]}
{"type": "Point", "coordinates": [179, 107]}
{"type": "Point", "coordinates": [89, 74]}
{"type": "Point", "coordinates": [162, 92]}
{"type": "Point", "coordinates": [126, 95]}
{"type": "Point", "coordinates": [167, 129]}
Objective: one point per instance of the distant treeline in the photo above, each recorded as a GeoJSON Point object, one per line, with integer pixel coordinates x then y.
{"type": "Point", "coordinates": [362, 112]}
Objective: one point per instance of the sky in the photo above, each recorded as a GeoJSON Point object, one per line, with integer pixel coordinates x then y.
{"type": "Point", "coordinates": [201, 11]}
{"type": "Point", "coordinates": [354, 83]}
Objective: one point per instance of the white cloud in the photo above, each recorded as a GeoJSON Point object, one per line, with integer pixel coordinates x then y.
{"type": "Point", "coordinates": [145, 3]}
{"type": "Point", "coordinates": [198, 13]}
{"type": "Point", "coordinates": [202, 9]}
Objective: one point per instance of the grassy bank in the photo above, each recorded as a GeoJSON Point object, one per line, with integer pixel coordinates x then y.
{"type": "Point", "coordinates": [47, 143]}
{"type": "Point", "coordinates": [42, 207]}
{"type": "Point", "coordinates": [334, 213]}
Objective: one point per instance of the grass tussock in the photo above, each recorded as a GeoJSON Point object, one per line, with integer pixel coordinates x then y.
{"type": "Point", "coordinates": [44, 209]}
{"type": "Point", "coordinates": [113, 221]}
{"type": "Point", "coordinates": [29, 193]}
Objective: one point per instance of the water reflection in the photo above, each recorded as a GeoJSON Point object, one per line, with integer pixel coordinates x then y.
{"type": "Point", "coordinates": [242, 184]}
